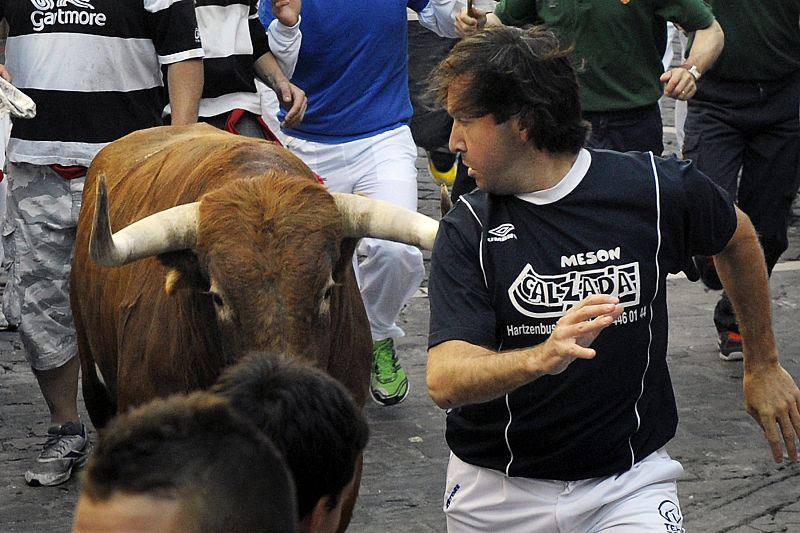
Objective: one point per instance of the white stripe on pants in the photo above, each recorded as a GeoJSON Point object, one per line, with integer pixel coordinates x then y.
{"type": "Point", "coordinates": [381, 167]}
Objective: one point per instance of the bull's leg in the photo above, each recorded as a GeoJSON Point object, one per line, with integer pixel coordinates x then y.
{"type": "Point", "coordinates": [349, 500]}
{"type": "Point", "coordinates": [99, 403]}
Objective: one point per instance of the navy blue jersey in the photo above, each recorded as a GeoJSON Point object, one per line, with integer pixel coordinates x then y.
{"type": "Point", "coordinates": [506, 268]}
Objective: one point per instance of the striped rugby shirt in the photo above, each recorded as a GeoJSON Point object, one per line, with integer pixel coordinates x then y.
{"type": "Point", "coordinates": [233, 39]}
{"type": "Point", "coordinates": [93, 69]}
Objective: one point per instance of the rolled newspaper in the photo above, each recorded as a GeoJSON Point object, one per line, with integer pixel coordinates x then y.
{"type": "Point", "coordinates": [17, 103]}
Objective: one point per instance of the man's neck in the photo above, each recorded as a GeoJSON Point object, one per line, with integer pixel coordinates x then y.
{"type": "Point", "coordinates": [549, 169]}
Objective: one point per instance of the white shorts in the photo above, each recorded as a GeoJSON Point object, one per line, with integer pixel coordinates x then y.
{"type": "Point", "coordinates": [642, 500]}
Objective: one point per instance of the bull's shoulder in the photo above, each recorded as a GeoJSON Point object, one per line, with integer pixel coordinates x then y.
{"type": "Point", "coordinates": [157, 168]}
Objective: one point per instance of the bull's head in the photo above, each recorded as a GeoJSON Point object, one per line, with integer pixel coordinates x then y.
{"type": "Point", "coordinates": [266, 252]}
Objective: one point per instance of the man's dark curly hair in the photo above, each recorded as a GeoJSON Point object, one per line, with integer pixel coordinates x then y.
{"type": "Point", "coordinates": [310, 417]}
{"type": "Point", "coordinates": [505, 72]}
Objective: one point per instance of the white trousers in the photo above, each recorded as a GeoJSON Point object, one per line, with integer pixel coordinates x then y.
{"type": "Point", "coordinates": [642, 500]}
{"type": "Point", "coordinates": [381, 167]}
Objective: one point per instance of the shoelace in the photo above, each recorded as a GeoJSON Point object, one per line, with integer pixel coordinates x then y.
{"type": "Point", "coordinates": [385, 361]}
{"type": "Point", "coordinates": [58, 444]}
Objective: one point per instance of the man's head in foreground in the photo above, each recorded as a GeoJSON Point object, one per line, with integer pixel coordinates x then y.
{"type": "Point", "coordinates": [312, 420]}
{"type": "Point", "coordinates": [186, 464]}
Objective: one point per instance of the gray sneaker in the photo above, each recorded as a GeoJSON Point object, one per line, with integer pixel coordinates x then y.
{"type": "Point", "coordinates": [67, 447]}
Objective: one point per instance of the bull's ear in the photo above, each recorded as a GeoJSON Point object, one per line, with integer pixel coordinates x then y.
{"type": "Point", "coordinates": [183, 272]}
{"type": "Point", "coordinates": [346, 250]}
{"type": "Point", "coordinates": [174, 281]}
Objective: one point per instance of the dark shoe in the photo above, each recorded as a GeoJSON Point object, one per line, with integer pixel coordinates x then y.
{"type": "Point", "coordinates": [67, 447]}
{"type": "Point", "coordinates": [730, 346]}
{"type": "Point", "coordinates": [708, 272]}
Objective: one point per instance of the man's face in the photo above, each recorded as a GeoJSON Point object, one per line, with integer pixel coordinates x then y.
{"type": "Point", "coordinates": [323, 519]}
{"type": "Point", "coordinates": [129, 513]}
{"type": "Point", "coordinates": [491, 151]}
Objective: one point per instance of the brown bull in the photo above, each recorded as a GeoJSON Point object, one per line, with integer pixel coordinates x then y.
{"type": "Point", "coordinates": [256, 255]}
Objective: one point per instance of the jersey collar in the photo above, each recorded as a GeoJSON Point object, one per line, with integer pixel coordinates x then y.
{"type": "Point", "coordinates": [563, 187]}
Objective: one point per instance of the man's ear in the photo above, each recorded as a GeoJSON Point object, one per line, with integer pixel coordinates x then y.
{"type": "Point", "coordinates": [522, 131]}
{"type": "Point", "coordinates": [315, 520]}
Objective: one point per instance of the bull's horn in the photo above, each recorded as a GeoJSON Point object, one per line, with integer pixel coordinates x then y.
{"type": "Point", "coordinates": [167, 231]}
{"type": "Point", "coordinates": [370, 217]}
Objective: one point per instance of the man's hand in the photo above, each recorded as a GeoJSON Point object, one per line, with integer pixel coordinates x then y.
{"type": "Point", "coordinates": [679, 83]}
{"type": "Point", "coordinates": [294, 100]}
{"type": "Point", "coordinates": [575, 332]}
{"type": "Point", "coordinates": [773, 400]}
{"type": "Point", "coordinates": [470, 21]}
{"type": "Point", "coordinates": [286, 11]}
{"type": "Point", "coordinates": [5, 74]}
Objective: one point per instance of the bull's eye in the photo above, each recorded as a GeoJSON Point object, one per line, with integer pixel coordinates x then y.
{"type": "Point", "coordinates": [327, 294]}
{"type": "Point", "coordinates": [217, 299]}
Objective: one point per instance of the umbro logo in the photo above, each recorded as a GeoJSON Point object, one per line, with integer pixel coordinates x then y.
{"type": "Point", "coordinates": [501, 233]}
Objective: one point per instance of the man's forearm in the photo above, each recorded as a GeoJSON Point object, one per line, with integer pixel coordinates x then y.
{"type": "Point", "coordinates": [461, 373]}
{"type": "Point", "coordinates": [707, 47]}
{"type": "Point", "coordinates": [269, 71]}
{"type": "Point", "coordinates": [284, 44]}
{"type": "Point", "coordinates": [743, 272]}
{"type": "Point", "coordinates": [185, 80]}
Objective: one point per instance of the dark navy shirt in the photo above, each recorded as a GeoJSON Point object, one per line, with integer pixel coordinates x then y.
{"type": "Point", "coordinates": [505, 268]}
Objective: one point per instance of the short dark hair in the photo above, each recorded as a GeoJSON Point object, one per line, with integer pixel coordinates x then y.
{"type": "Point", "coordinates": [224, 474]}
{"type": "Point", "coordinates": [509, 72]}
{"type": "Point", "coordinates": [309, 416]}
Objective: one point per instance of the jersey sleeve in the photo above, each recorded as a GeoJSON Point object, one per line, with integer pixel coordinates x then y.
{"type": "Point", "coordinates": [258, 34]}
{"type": "Point", "coordinates": [174, 27]}
{"type": "Point", "coordinates": [517, 12]}
{"type": "Point", "coordinates": [439, 16]}
{"type": "Point", "coordinates": [700, 217]}
{"type": "Point", "coordinates": [459, 299]}
{"type": "Point", "coordinates": [691, 15]}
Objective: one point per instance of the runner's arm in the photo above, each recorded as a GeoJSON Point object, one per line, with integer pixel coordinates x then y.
{"type": "Point", "coordinates": [460, 373]}
{"type": "Point", "coordinates": [771, 395]}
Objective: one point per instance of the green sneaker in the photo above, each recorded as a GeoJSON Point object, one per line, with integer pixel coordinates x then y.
{"type": "Point", "coordinates": [389, 384]}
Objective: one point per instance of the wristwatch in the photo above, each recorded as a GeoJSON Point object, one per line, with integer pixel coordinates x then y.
{"type": "Point", "coordinates": [692, 69]}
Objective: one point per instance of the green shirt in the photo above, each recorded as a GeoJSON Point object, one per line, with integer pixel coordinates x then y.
{"type": "Point", "coordinates": [762, 39]}
{"type": "Point", "coordinates": [616, 51]}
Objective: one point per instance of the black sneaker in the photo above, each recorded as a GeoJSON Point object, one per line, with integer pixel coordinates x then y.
{"type": "Point", "coordinates": [708, 272]}
{"type": "Point", "coordinates": [67, 447]}
{"type": "Point", "coordinates": [730, 346]}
